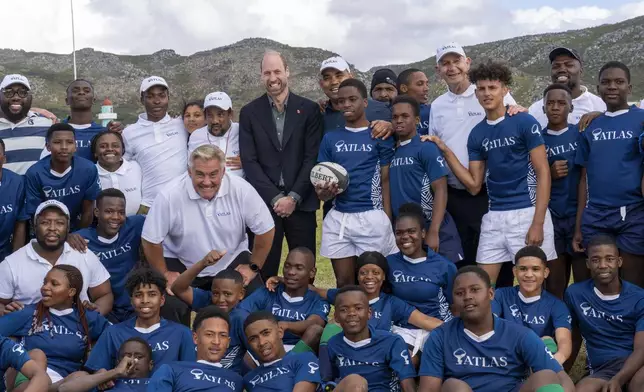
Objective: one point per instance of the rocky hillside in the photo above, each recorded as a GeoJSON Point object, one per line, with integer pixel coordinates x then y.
{"type": "Point", "coordinates": [235, 68]}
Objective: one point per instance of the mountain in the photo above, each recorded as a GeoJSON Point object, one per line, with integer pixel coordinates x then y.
{"type": "Point", "coordinates": [235, 68]}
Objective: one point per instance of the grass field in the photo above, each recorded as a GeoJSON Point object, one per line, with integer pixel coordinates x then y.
{"type": "Point", "coordinates": [325, 278]}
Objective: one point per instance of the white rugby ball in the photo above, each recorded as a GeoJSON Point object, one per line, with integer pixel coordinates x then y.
{"type": "Point", "coordinates": [330, 172]}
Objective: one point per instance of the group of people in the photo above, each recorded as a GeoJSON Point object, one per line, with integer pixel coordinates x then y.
{"type": "Point", "coordinates": [111, 237]}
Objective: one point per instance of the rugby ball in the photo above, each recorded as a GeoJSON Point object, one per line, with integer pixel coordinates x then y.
{"type": "Point", "coordinates": [330, 172]}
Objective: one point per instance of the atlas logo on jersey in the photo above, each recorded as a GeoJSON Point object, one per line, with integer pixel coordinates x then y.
{"type": "Point", "coordinates": [405, 356]}
{"type": "Point", "coordinates": [342, 146]}
{"type": "Point", "coordinates": [400, 277]}
{"type": "Point", "coordinates": [288, 313]}
{"type": "Point", "coordinates": [561, 149]}
{"type": "Point", "coordinates": [6, 209]}
{"type": "Point", "coordinates": [488, 144]}
{"type": "Point", "coordinates": [588, 311]}
{"type": "Point", "coordinates": [342, 362]}
{"type": "Point", "coordinates": [462, 359]}
{"type": "Point", "coordinates": [313, 367]}
{"type": "Point", "coordinates": [50, 192]}
{"type": "Point", "coordinates": [276, 372]}
{"type": "Point", "coordinates": [516, 312]}
{"type": "Point", "coordinates": [201, 375]}
{"type": "Point", "coordinates": [599, 134]}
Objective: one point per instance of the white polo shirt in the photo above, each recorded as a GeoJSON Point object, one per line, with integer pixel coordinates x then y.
{"type": "Point", "coordinates": [452, 118]}
{"type": "Point", "coordinates": [22, 273]}
{"type": "Point", "coordinates": [160, 148]}
{"type": "Point", "coordinates": [585, 103]}
{"type": "Point", "coordinates": [189, 227]}
{"type": "Point", "coordinates": [127, 179]}
{"type": "Point", "coordinates": [228, 143]}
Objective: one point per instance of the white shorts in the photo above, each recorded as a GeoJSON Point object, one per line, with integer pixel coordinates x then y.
{"type": "Point", "coordinates": [503, 235]}
{"type": "Point", "coordinates": [53, 375]}
{"type": "Point", "coordinates": [351, 234]}
{"type": "Point", "coordinates": [415, 338]}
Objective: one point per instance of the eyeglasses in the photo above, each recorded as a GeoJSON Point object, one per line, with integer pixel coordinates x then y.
{"type": "Point", "coordinates": [9, 93]}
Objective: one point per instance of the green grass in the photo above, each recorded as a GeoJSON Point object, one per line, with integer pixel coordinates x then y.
{"type": "Point", "coordinates": [326, 279]}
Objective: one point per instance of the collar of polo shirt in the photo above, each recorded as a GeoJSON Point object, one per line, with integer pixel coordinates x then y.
{"type": "Point", "coordinates": [31, 252]}
{"type": "Point", "coordinates": [143, 120]}
{"type": "Point", "coordinates": [466, 94]}
{"type": "Point", "coordinates": [223, 189]}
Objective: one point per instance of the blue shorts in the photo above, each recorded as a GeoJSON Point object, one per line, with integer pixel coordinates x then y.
{"type": "Point", "coordinates": [626, 224]}
{"type": "Point", "coordinates": [450, 242]}
{"type": "Point", "coordinates": [564, 231]}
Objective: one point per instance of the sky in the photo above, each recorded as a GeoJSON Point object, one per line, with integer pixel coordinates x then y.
{"type": "Point", "coordinates": [366, 32]}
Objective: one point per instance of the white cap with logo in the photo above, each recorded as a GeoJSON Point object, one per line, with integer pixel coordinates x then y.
{"type": "Point", "coordinates": [336, 62]}
{"type": "Point", "coordinates": [152, 81]}
{"type": "Point", "coordinates": [452, 47]}
{"type": "Point", "coordinates": [52, 204]}
{"type": "Point", "coordinates": [218, 99]}
{"type": "Point", "coordinates": [14, 79]}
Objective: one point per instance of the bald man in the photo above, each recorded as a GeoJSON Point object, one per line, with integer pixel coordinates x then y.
{"type": "Point", "coordinates": [279, 138]}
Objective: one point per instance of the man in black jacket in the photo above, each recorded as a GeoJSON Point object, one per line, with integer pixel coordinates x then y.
{"type": "Point", "coordinates": [279, 137]}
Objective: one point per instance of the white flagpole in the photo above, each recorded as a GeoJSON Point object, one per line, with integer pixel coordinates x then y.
{"type": "Point", "coordinates": [71, 5]}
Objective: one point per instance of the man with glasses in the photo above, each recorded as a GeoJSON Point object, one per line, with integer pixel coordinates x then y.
{"type": "Point", "coordinates": [22, 130]}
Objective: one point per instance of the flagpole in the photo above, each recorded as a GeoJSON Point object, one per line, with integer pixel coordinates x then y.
{"type": "Point", "coordinates": [71, 5]}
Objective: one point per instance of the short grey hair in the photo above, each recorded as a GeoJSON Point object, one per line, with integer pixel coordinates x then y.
{"type": "Point", "coordinates": [207, 152]}
{"type": "Point", "coordinates": [271, 52]}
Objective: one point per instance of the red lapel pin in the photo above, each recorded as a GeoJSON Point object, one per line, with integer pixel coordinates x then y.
{"type": "Point", "coordinates": [298, 111]}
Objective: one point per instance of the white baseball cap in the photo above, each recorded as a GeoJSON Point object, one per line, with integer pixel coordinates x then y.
{"type": "Point", "coordinates": [336, 62]}
{"type": "Point", "coordinates": [14, 79]}
{"type": "Point", "coordinates": [218, 99]}
{"type": "Point", "coordinates": [452, 47]}
{"type": "Point", "coordinates": [152, 81]}
{"type": "Point", "coordinates": [52, 204]}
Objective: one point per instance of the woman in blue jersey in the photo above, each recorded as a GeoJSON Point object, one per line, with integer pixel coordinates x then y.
{"type": "Point", "coordinates": [420, 277]}
{"type": "Point", "coordinates": [58, 325]}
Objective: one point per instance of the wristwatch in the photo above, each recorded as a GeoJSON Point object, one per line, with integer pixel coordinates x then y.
{"type": "Point", "coordinates": [254, 267]}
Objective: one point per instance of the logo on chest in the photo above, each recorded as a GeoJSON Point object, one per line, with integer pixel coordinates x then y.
{"type": "Point", "coordinates": [462, 359]}
{"type": "Point", "coordinates": [588, 311]}
{"type": "Point", "coordinates": [599, 134]}
{"type": "Point", "coordinates": [491, 144]}
{"type": "Point", "coordinates": [50, 192]}
{"type": "Point", "coordinates": [526, 318]}
{"type": "Point", "coordinates": [290, 314]}
{"type": "Point", "coordinates": [342, 146]}
{"type": "Point", "coordinates": [400, 277]}
{"type": "Point", "coordinates": [561, 149]}
{"type": "Point", "coordinates": [6, 209]}
{"type": "Point", "coordinates": [199, 374]}
{"type": "Point", "coordinates": [273, 373]}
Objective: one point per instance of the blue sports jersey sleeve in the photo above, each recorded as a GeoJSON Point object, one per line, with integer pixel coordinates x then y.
{"type": "Point", "coordinates": [474, 147]}
{"type": "Point", "coordinates": [386, 151]}
{"type": "Point", "coordinates": [531, 132]}
{"type": "Point", "coordinates": [324, 154]}
{"type": "Point", "coordinates": [536, 355]}
{"type": "Point", "coordinates": [639, 324]}
{"type": "Point", "coordinates": [307, 369]}
{"type": "Point", "coordinates": [18, 323]}
{"type": "Point", "coordinates": [187, 350]}
{"type": "Point", "coordinates": [330, 296]}
{"type": "Point", "coordinates": [22, 210]}
{"type": "Point", "coordinates": [497, 309]}
{"type": "Point", "coordinates": [162, 380]}
{"type": "Point", "coordinates": [450, 275]}
{"type": "Point", "coordinates": [97, 324]}
{"type": "Point", "coordinates": [400, 310]}
{"type": "Point", "coordinates": [433, 161]}
{"type": "Point", "coordinates": [93, 185]}
{"type": "Point", "coordinates": [102, 353]}
{"type": "Point", "coordinates": [321, 308]}
{"type": "Point", "coordinates": [32, 193]}
{"type": "Point", "coordinates": [432, 363]}
{"type": "Point", "coordinates": [200, 298]}
{"type": "Point", "coordinates": [258, 300]}
{"type": "Point", "coordinates": [583, 149]}
{"type": "Point", "coordinates": [561, 316]}
{"type": "Point", "coordinates": [138, 220]}
{"type": "Point", "coordinates": [570, 305]}
{"type": "Point", "coordinates": [399, 360]}
{"type": "Point", "coordinates": [12, 354]}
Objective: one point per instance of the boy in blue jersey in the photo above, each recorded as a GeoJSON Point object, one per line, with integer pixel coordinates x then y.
{"type": "Point", "coordinates": [13, 355]}
{"type": "Point", "coordinates": [116, 241]}
{"type": "Point", "coordinates": [610, 195]}
{"type": "Point", "coordinates": [301, 313]}
{"type": "Point", "coordinates": [508, 153]}
{"type": "Point", "coordinates": [414, 83]}
{"type": "Point", "coordinates": [169, 341]}
{"type": "Point", "coordinates": [226, 293]}
{"type": "Point", "coordinates": [529, 305]}
{"type": "Point", "coordinates": [63, 177]}
{"type": "Point", "coordinates": [360, 218]}
{"type": "Point", "coordinates": [418, 174]}
{"type": "Point", "coordinates": [609, 314]}
{"type": "Point", "coordinates": [561, 139]}
{"type": "Point", "coordinates": [483, 353]}
{"type": "Point", "coordinates": [131, 374]}
{"type": "Point", "coordinates": [380, 357]}
{"type": "Point", "coordinates": [13, 219]}
{"type": "Point", "coordinates": [210, 334]}
{"type": "Point", "coordinates": [278, 370]}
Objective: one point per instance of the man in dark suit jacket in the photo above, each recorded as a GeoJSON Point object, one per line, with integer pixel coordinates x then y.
{"type": "Point", "coordinates": [279, 138]}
